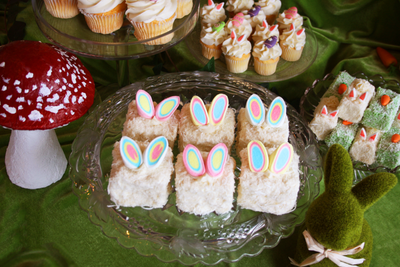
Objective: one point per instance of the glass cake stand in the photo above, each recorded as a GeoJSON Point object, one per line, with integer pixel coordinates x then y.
{"type": "Point", "coordinates": [74, 35]}
{"type": "Point", "coordinates": [285, 69]}
{"type": "Point", "coordinates": [166, 233]}
{"type": "Point", "coordinates": [311, 99]}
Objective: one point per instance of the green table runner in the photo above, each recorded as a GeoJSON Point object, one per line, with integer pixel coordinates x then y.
{"type": "Point", "coordinates": [46, 227]}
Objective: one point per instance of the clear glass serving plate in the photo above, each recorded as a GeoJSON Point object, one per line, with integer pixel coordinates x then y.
{"type": "Point", "coordinates": [285, 69]}
{"type": "Point", "coordinates": [310, 101]}
{"type": "Point", "coordinates": [166, 233]}
{"type": "Point", "coordinates": [74, 35]}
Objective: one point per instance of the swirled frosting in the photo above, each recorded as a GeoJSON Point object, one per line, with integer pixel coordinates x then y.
{"type": "Point", "coordinates": [295, 38]}
{"type": "Point", "coordinates": [270, 7]}
{"type": "Point", "coordinates": [97, 6]}
{"type": "Point", "coordinates": [210, 15]}
{"type": "Point", "coordinates": [262, 33]}
{"type": "Point", "coordinates": [210, 36]}
{"type": "Point", "coordinates": [147, 11]}
{"type": "Point", "coordinates": [263, 53]}
{"type": "Point", "coordinates": [254, 20]}
{"type": "Point", "coordinates": [245, 27]}
{"type": "Point", "coordinates": [236, 6]}
{"type": "Point", "coordinates": [284, 23]}
{"type": "Point", "coordinates": [231, 47]}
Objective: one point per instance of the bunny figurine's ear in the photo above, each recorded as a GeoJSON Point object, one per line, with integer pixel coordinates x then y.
{"type": "Point", "coordinates": [372, 188]}
{"type": "Point", "coordinates": [338, 171]}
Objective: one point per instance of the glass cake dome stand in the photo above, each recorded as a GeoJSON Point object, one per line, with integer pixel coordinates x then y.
{"type": "Point", "coordinates": [167, 233]}
{"type": "Point", "coordinates": [74, 35]}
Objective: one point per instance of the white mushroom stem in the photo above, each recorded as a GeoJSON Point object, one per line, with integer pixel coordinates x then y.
{"type": "Point", "coordinates": [34, 159]}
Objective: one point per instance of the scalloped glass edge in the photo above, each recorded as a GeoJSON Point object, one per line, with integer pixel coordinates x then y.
{"type": "Point", "coordinates": [310, 99]}
{"type": "Point", "coordinates": [263, 231]}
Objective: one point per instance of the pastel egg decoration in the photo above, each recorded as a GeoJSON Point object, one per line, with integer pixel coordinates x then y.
{"type": "Point", "coordinates": [155, 152]}
{"type": "Point", "coordinates": [281, 158]}
{"type": "Point", "coordinates": [291, 12]}
{"type": "Point", "coordinates": [257, 156]}
{"type": "Point", "coordinates": [167, 107]}
{"type": "Point", "coordinates": [276, 112]}
{"type": "Point", "coordinates": [255, 111]}
{"type": "Point", "coordinates": [218, 108]}
{"type": "Point", "coordinates": [237, 20]}
{"type": "Point", "coordinates": [216, 160]}
{"type": "Point", "coordinates": [271, 42]}
{"type": "Point", "coordinates": [193, 161]}
{"type": "Point", "coordinates": [198, 111]}
{"type": "Point", "coordinates": [144, 104]}
{"type": "Point", "coordinates": [130, 153]}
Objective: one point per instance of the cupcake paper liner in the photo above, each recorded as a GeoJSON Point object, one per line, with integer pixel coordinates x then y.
{"type": "Point", "coordinates": [184, 8]}
{"type": "Point", "coordinates": [106, 22]}
{"type": "Point", "coordinates": [266, 67]}
{"type": "Point", "coordinates": [290, 54]}
{"type": "Point", "coordinates": [237, 65]}
{"type": "Point", "coordinates": [210, 51]}
{"type": "Point", "coordinates": [63, 9]}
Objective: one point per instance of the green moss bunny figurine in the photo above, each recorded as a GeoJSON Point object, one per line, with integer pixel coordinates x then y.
{"type": "Point", "coordinates": [335, 232]}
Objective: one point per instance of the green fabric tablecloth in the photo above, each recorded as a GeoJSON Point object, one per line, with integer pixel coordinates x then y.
{"type": "Point", "coordinates": [46, 227]}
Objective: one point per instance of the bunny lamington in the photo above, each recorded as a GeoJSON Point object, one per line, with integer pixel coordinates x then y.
{"type": "Point", "coordinates": [335, 220]}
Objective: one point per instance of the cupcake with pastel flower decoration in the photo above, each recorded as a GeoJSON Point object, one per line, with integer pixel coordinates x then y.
{"type": "Point", "coordinates": [236, 6]}
{"type": "Point", "coordinates": [266, 55]}
{"type": "Point", "coordinates": [211, 39]}
{"type": "Point", "coordinates": [292, 42]}
{"type": "Point", "coordinates": [237, 53]}
{"type": "Point", "coordinates": [239, 25]}
{"type": "Point", "coordinates": [254, 16]}
{"type": "Point", "coordinates": [289, 17]}
{"type": "Point", "coordinates": [263, 32]}
{"type": "Point", "coordinates": [212, 14]}
{"type": "Point", "coordinates": [270, 9]}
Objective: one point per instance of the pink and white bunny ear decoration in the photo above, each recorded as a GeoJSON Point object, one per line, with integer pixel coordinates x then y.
{"type": "Point", "coordinates": [216, 112]}
{"type": "Point", "coordinates": [164, 110]}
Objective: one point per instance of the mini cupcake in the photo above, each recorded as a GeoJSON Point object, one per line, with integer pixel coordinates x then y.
{"type": "Point", "coordinates": [239, 25]}
{"type": "Point", "coordinates": [266, 56]}
{"type": "Point", "coordinates": [183, 8]}
{"type": "Point", "coordinates": [151, 19]}
{"type": "Point", "coordinates": [292, 42]}
{"type": "Point", "coordinates": [103, 16]}
{"type": "Point", "coordinates": [63, 9]}
{"type": "Point", "coordinates": [236, 6]}
{"type": "Point", "coordinates": [211, 40]}
{"type": "Point", "coordinates": [289, 17]}
{"type": "Point", "coordinates": [254, 16]}
{"type": "Point", "coordinates": [263, 32]}
{"type": "Point", "coordinates": [270, 9]}
{"type": "Point", "coordinates": [211, 14]}
{"type": "Point", "coordinates": [237, 53]}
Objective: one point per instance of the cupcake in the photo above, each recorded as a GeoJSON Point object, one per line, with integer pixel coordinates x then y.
{"type": "Point", "coordinates": [151, 19]}
{"type": "Point", "coordinates": [183, 8]}
{"type": "Point", "coordinates": [63, 9]}
{"type": "Point", "coordinates": [211, 39]}
{"type": "Point", "coordinates": [270, 9]}
{"type": "Point", "coordinates": [289, 17]}
{"type": "Point", "coordinates": [103, 16]}
{"type": "Point", "coordinates": [263, 32]}
{"type": "Point", "coordinates": [266, 55]}
{"type": "Point", "coordinates": [211, 14]}
{"type": "Point", "coordinates": [292, 42]}
{"type": "Point", "coordinates": [236, 6]}
{"type": "Point", "coordinates": [254, 16]}
{"type": "Point", "coordinates": [239, 25]}
{"type": "Point", "coordinates": [237, 53]}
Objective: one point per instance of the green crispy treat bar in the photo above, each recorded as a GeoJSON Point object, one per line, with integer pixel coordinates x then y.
{"type": "Point", "coordinates": [342, 134]}
{"type": "Point", "coordinates": [396, 122]}
{"type": "Point", "coordinates": [388, 153]}
{"type": "Point", "coordinates": [343, 77]}
{"type": "Point", "coordinates": [378, 116]}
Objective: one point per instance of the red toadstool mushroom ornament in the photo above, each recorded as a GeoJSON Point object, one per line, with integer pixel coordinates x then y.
{"type": "Point", "coordinates": [41, 88]}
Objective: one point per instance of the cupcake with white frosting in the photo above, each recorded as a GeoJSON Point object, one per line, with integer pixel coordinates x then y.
{"type": "Point", "coordinates": [289, 17]}
{"type": "Point", "coordinates": [237, 53]}
{"type": "Point", "coordinates": [63, 9]}
{"type": "Point", "coordinates": [151, 19]}
{"type": "Point", "coordinates": [211, 39]}
{"type": "Point", "coordinates": [212, 14]}
{"type": "Point", "coordinates": [239, 25]}
{"type": "Point", "coordinates": [103, 16]}
{"type": "Point", "coordinates": [266, 55]}
{"type": "Point", "coordinates": [254, 16]}
{"type": "Point", "coordinates": [236, 6]}
{"type": "Point", "coordinates": [263, 32]}
{"type": "Point", "coordinates": [292, 42]}
{"type": "Point", "coordinates": [270, 9]}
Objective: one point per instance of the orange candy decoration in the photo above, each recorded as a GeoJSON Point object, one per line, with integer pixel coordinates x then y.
{"type": "Point", "coordinates": [347, 122]}
{"type": "Point", "coordinates": [342, 88]}
{"type": "Point", "coordinates": [385, 99]}
{"type": "Point", "coordinates": [395, 138]}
